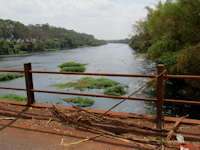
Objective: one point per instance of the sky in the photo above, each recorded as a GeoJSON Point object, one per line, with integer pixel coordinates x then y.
{"type": "Point", "coordinates": [105, 19]}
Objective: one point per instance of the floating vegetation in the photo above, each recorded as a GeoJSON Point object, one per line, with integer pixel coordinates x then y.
{"type": "Point", "coordinates": [13, 97]}
{"type": "Point", "coordinates": [72, 67]}
{"type": "Point", "coordinates": [10, 76]}
{"type": "Point", "coordinates": [80, 101]}
{"type": "Point", "coordinates": [116, 90]}
{"type": "Point", "coordinates": [111, 87]}
{"type": "Point", "coordinates": [90, 83]}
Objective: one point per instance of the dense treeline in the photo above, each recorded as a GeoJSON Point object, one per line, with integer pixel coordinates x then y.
{"type": "Point", "coordinates": [126, 41]}
{"type": "Point", "coordinates": [16, 37]}
{"type": "Point", "coordinates": [170, 34]}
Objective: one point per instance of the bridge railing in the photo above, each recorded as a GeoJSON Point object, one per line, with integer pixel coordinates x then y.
{"type": "Point", "coordinates": [160, 87]}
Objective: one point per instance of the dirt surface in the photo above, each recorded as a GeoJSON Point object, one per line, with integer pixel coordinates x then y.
{"type": "Point", "coordinates": [27, 128]}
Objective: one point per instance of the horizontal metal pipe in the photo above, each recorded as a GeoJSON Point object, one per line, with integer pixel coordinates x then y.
{"type": "Point", "coordinates": [110, 96]}
{"type": "Point", "coordinates": [182, 102]}
{"type": "Point", "coordinates": [95, 95]}
{"type": "Point", "coordinates": [97, 74]}
{"type": "Point", "coordinates": [182, 76]}
{"type": "Point", "coordinates": [11, 70]}
{"type": "Point", "coordinates": [121, 97]}
{"type": "Point", "coordinates": [10, 88]}
{"type": "Point", "coordinates": [109, 74]}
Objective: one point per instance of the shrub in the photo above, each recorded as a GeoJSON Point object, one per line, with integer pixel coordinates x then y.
{"type": "Point", "coordinates": [169, 60]}
{"type": "Point", "coordinates": [80, 101]}
{"type": "Point", "coordinates": [189, 61]}
{"type": "Point", "coordinates": [116, 90]}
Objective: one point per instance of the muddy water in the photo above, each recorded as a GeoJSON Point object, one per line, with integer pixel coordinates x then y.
{"type": "Point", "coordinates": [110, 58]}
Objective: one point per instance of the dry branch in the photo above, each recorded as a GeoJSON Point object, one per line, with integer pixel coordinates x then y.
{"type": "Point", "coordinates": [84, 140]}
{"type": "Point", "coordinates": [48, 122]}
{"type": "Point", "coordinates": [90, 127]}
{"type": "Point", "coordinates": [171, 132]}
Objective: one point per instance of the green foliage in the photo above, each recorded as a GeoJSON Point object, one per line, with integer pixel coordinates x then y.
{"type": "Point", "coordinates": [80, 101]}
{"type": "Point", "coordinates": [71, 64]}
{"type": "Point", "coordinates": [13, 97]}
{"type": "Point", "coordinates": [119, 41]}
{"type": "Point", "coordinates": [72, 67]}
{"type": "Point", "coordinates": [40, 37]}
{"type": "Point", "coordinates": [165, 44]}
{"type": "Point", "coordinates": [115, 90]}
{"type": "Point", "coordinates": [189, 61]}
{"type": "Point", "coordinates": [8, 47]}
{"type": "Point", "coordinates": [9, 76]}
{"type": "Point", "coordinates": [166, 31]}
{"type": "Point", "coordinates": [169, 59]}
{"type": "Point", "coordinates": [89, 82]}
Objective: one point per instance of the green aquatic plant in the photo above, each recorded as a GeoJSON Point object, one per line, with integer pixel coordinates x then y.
{"type": "Point", "coordinates": [10, 76]}
{"type": "Point", "coordinates": [80, 101]}
{"type": "Point", "coordinates": [71, 64]}
{"type": "Point", "coordinates": [72, 67]}
{"type": "Point", "coordinates": [115, 90]}
{"type": "Point", "coordinates": [90, 83]}
{"type": "Point", "coordinates": [13, 97]}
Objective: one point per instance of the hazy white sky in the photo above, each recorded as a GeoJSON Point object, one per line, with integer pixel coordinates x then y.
{"type": "Point", "coordinates": [105, 19]}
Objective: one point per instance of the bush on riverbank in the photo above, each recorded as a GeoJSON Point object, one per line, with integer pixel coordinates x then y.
{"type": "Point", "coordinates": [116, 90]}
{"type": "Point", "coordinates": [80, 101]}
{"type": "Point", "coordinates": [13, 97]}
{"type": "Point", "coordinates": [10, 76]}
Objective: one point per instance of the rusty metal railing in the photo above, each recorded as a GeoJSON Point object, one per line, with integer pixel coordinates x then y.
{"type": "Point", "coordinates": [160, 87]}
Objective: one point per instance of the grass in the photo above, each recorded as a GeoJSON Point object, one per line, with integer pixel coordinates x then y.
{"type": "Point", "coordinates": [89, 82]}
{"type": "Point", "coordinates": [10, 76]}
{"type": "Point", "coordinates": [71, 64]}
{"type": "Point", "coordinates": [13, 97]}
{"type": "Point", "coordinates": [115, 90]}
{"type": "Point", "coordinates": [72, 67]}
{"type": "Point", "coordinates": [80, 101]}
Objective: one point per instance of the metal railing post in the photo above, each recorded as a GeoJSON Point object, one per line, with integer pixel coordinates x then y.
{"type": "Point", "coordinates": [29, 83]}
{"type": "Point", "coordinates": [160, 90]}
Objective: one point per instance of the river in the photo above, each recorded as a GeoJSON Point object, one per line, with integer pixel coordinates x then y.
{"type": "Point", "coordinates": [110, 58]}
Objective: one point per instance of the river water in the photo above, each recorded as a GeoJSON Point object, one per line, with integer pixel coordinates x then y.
{"type": "Point", "coordinates": [110, 58]}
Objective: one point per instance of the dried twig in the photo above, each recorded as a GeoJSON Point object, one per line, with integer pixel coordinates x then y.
{"type": "Point", "coordinates": [8, 118]}
{"type": "Point", "coordinates": [90, 127]}
{"type": "Point", "coordinates": [84, 140]}
{"type": "Point", "coordinates": [48, 122]}
{"type": "Point", "coordinates": [171, 132]}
